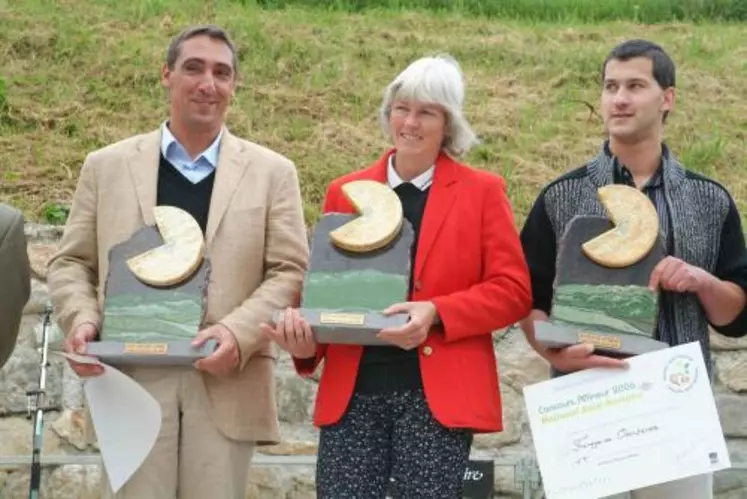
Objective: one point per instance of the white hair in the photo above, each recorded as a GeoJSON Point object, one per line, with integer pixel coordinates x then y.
{"type": "Point", "coordinates": [435, 80]}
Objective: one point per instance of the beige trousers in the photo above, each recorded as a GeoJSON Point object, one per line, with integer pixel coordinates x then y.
{"type": "Point", "coordinates": [191, 459]}
{"type": "Point", "coordinates": [696, 487]}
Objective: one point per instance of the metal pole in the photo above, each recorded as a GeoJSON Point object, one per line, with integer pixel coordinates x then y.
{"type": "Point", "coordinates": [527, 476]}
{"type": "Point", "coordinates": [36, 404]}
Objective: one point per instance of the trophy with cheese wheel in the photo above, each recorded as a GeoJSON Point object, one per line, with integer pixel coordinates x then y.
{"type": "Point", "coordinates": [154, 294]}
{"type": "Point", "coordinates": [360, 265]}
{"type": "Point", "coordinates": [601, 293]}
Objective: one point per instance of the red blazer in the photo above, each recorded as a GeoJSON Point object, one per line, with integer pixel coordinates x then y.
{"type": "Point", "coordinates": [470, 263]}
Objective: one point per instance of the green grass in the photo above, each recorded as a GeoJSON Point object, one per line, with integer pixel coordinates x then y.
{"type": "Point", "coordinates": [79, 74]}
{"type": "Point", "coordinates": [647, 11]}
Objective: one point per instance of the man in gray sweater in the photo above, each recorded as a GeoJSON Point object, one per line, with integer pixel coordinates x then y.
{"type": "Point", "coordinates": [703, 278]}
{"type": "Point", "coordinates": [14, 276]}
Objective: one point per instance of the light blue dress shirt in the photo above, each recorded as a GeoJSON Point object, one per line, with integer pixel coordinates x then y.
{"type": "Point", "coordinates": [193, 170]}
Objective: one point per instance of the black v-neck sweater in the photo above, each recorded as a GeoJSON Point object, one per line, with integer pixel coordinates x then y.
{"type": "Point", "coordinates": [390, 368]}
{"type": "Point", "coordinates": [175, 190]}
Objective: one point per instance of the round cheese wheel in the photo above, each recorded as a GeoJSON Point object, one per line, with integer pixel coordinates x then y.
{"type": "Point", "coordinates": [635, 232]}
{"type": "Point", "coordinates": [380, 219]}
{"type": "Point", "coordinates": [180, 255]}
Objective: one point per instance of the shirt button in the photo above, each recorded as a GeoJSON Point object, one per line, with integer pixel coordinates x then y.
{"type": "Point", "coordinates": [427, 351]}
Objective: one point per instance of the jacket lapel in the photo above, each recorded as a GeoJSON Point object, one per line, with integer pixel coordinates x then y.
{"type": "Point", "coordinates": [143, 166]}
{"type": "Point", "coordinates": [440, 200]}
{"type": "Point", "coordinates": [227, 179]}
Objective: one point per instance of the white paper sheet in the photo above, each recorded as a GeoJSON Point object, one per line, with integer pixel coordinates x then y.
{"type": "Point", "coordinates": [126, 417]}
{"type": "Point", "coordinates": [600, 432]}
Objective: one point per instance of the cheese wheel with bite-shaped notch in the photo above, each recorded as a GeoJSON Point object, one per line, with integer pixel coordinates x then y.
{"type": "Point", "coordinates": [635, 232]}
{"type": "Point", "coordinates": [180, 254]}
{"type": "Point", "coordinates": [380, 219]}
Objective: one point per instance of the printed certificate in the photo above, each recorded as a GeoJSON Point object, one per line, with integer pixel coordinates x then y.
{"type": "Point", "coordinates": [600, 432]}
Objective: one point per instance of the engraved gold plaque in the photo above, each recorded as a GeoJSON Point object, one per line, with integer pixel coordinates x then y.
{"type": "Point", "coordinates": [349, 319]}
{"type": "Point", "coordinates": [146, 348]}
{"type": "Point", "coordinates": [600, 340]}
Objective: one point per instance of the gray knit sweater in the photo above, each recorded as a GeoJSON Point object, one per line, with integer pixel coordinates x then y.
{"type": "Point", "coordinates": [697, 208]}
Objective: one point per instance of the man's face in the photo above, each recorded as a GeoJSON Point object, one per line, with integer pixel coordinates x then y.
{"type": "Point", "coordinates": [201, 83]}
{"type": "Point", "coordinates": [633, 103]}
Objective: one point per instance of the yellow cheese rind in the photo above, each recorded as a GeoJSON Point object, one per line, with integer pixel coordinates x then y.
{"type": "Point", "coordinates": [381, 217]}
{"type": "Point", "coordinates": [636, 228]}
{"type": "Point", "coordinates": [180, 255]}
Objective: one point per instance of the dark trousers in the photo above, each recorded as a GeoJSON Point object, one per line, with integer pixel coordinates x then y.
{"type": "Point", "coordinates": [389, 445]}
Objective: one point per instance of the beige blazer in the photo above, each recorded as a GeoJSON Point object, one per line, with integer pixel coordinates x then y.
{"type": "Point", "coordinates": [256, 242]}
{"type": "Point", "coordinates": [15, 276]}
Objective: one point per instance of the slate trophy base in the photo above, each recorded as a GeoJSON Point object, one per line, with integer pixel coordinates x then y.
{"type": "Point", "coordinates": [347, 328]}
{"type": "Point", "coordinates": [147, 325]}
{"type": "Point", "coordinates": [171, 353]}
{"type": "Point", "coordinates": [611, 308]}
{"type": "Point", "coordinates": [344, 292]}
{"type": "Point", "coordinates": [609, 344]}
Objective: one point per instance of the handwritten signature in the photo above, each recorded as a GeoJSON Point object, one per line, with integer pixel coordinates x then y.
{"type": "Point", "coordinates": [586, 442]}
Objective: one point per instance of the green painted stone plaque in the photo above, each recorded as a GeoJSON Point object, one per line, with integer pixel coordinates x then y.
{"type": "Point", "coordinates": [143, 324]}
{"type": "Point", "coordinates": [345, 292]}
{"type": "Point", "coordinates": [612, 308]}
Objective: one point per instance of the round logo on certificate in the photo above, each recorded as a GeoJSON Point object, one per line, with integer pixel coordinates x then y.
{"type": "Point", "coordinates": [680, 374]}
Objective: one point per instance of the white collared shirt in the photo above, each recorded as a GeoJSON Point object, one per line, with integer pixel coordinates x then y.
{"type": "Point", "coordinates": [193, 170]}
{"type": "Point", "coordinates": [422, 181]}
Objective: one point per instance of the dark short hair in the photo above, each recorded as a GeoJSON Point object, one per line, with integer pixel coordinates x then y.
{"type": "Point", "coordinates": [209, 30]}
{"type": "Point", "coordinates": [663, 66]}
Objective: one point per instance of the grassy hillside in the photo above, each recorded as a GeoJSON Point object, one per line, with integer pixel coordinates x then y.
{"type": "Point", "coordinates": [648, 11]}
{"type": "Point", "coordinates": [78, 74]}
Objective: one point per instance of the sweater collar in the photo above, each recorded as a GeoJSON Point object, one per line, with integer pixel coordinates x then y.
{"type": "Point", "coordinates": [602, 168]}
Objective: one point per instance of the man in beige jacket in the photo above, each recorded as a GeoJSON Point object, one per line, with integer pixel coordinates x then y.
{"type": "Point", "coordinates": [16, 278]}
{"type": "Point", "coordinates": [247, 200]}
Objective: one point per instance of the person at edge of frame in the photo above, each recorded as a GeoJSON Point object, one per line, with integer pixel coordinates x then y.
{"type": "Point", "coordinates": [400, 418]}
{"type": "Point", "coordinates": [702, 279]}
{"type": "Point", "coordinates": [16, 271]}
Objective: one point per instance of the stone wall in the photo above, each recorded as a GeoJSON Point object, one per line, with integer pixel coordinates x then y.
{"type": "Point", "coordinates": [66, 431]}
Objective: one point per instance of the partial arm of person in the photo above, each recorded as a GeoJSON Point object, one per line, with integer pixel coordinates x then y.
{"type": "Point", "coordinates": [286, 260]}
{"type": "Point", "coordinates": [72, 275]}
{"type": "Point", "coordinates": [722, 294]}
{"type": "Point", "coordinates": [14, 267]}
{"type": "Point", "coordinates": [504, 295]}
{"type": "Point", "coordinates": [540, 250]}
{"type": "Point", "coordinates": [724, 297]}
{"type": "Point", "coordinates": [724, 304]}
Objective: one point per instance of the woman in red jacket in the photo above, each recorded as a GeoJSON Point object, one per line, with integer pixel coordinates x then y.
{"type": "Point", "coordinates": [399, 419]}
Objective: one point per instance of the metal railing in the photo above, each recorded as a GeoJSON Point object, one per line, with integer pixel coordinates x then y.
{"type": "Point", "coordinates": [527, 479]}
{"type": "Point", "coordinates": [526, 473]}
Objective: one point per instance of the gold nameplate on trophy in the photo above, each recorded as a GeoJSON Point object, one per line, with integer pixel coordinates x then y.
{"type": "Point", "coordinates": [599, 340]}
{"type": "Point", "coordinates": [342, 318]}
{"type": "Point", "coordinates": [146, 348]}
